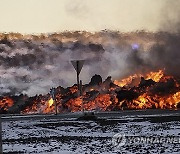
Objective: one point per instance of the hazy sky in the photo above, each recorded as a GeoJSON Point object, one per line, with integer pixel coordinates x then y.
{"type": "Point", "coordinates": [38, 16]}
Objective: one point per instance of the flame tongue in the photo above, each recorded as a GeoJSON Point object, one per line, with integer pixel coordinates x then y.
{"type": "Point", "coordinates": [126, 81]}
{"type": "Point", "coordinates": [50, 102]}
{"type": "Point", "coordinates": [155, 76]}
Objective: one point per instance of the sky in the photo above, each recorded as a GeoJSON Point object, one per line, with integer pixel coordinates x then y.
{"type": "Point", "coordinates": [43, 16]}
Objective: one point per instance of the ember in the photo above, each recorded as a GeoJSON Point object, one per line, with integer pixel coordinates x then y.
{"type": "Point", "coordinates": [153, 90]}
{"type": "Point", "coordinates": [5, 103]}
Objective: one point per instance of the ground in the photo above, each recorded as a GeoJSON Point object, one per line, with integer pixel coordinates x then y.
{"type": "Point", "coordinates": [68, 136]}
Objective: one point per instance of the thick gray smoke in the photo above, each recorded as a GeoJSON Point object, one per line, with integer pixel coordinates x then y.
{"type": "Point", "coordinates": [34, 65]}
{"type": "Point", "coordinates": [167, 54]}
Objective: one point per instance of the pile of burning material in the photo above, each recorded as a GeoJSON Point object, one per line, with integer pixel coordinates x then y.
{"type": "Point", "coordinates": [153, 90]}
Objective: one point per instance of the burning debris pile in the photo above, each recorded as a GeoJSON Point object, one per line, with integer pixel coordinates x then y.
{"type": "Point", "coordinates": [153, 90]}
{"type": "Point", "coordinates": [31, 65]}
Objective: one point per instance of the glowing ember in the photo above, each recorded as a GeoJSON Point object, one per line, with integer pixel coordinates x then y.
{"type": "Point", "coordinates": [102, 102]}
{"type": "Point", "coordinates": [75, 104]}
{"type": "Point", "coordinates": [6, 103]}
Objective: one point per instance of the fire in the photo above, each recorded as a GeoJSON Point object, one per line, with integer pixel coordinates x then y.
{"type": "Point", "coordinates": [75, 104]}
{"type": "Point", "coordinates": [150, 91]}
{"type": "Point", "coordinates": [146, 101]}
{"type": "Point", "coordinates": [49, 107]}
{"type": "Point", "coordinates": [50, 102]}
{"type": "Point", "coordinates": [142, 101]}
{"type": "Point", "coordinates": [155, 76]}
{"type": "Point", "coordinates": [101, 102]}
{"type": "Point", "coordinates": [126, 81]}
{"type": "Point", "coordinates": [170, 102]}
{"type": "Point", "coordinates": [41, 104]}
{"type": "Point", "coordinates": [176, 97]}
{"type": "Point", "coordinates": [73, 89]}
{"type": "Point", "coordinates": [6, 103]}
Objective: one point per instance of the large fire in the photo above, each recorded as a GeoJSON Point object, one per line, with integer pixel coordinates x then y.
{"type": "Point", "coordinates": [153, 90]}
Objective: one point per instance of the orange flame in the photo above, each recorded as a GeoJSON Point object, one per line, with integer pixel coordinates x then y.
{"type": "Point", "coordinates": [155, 76]}
{"type": "Point", "coordinates": [126, 81]}
{"type": "Point", "coordinates": [50, 102]}
{"type": "Point", "coordinates": [6, 103]}
{"type": "Point", "coordinates": [146, 101]}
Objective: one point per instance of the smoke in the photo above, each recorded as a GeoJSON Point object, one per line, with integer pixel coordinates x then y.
{"type": "Point", "coordinates": [77, 8]}
{"type": "Point", "coordinates": [166, 55]}
{"type": "Point", "coordinates": [34, 65]}
{"type": "Point", "coordinates": [170, 13]}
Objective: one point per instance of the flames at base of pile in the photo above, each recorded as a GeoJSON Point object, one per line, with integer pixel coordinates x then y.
{"type": "Point", "coordinates": [150, 91]}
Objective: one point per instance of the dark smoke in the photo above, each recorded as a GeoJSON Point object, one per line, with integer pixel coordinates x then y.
{"type": "Point", "coordinates": [167, 54]}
